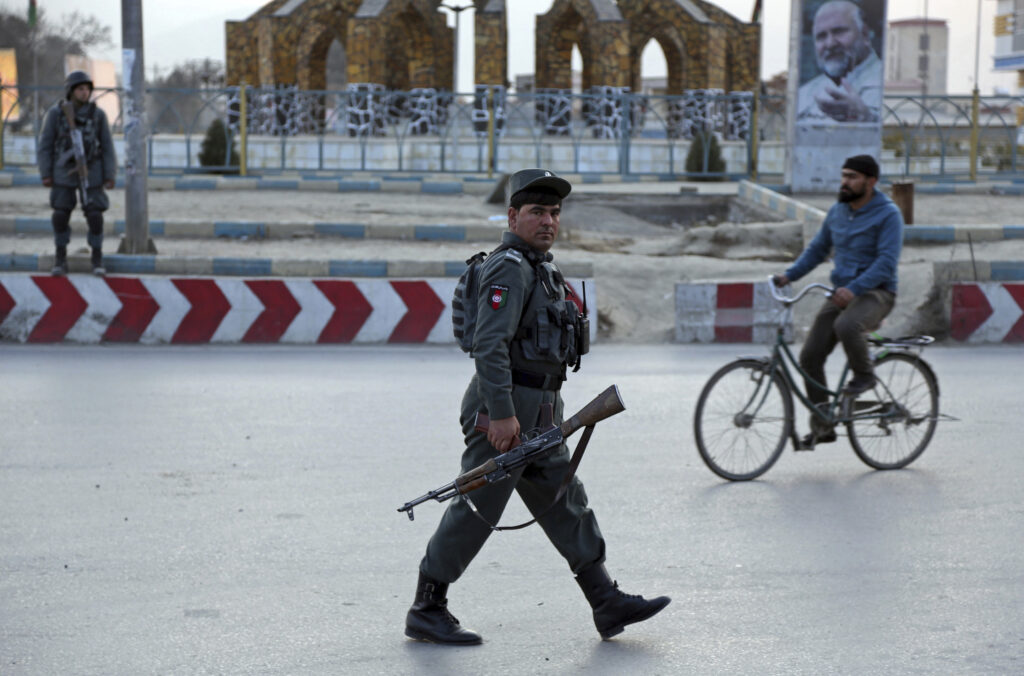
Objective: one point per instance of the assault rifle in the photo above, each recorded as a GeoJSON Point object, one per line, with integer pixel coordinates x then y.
{"type": "Point", "coordinates": [78, 150]}
{"type": "Point", "coordinates": [532, 446]}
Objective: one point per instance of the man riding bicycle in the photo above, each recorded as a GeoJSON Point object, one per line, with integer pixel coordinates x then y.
{"type": "Point", "coordinates": [864, 229]}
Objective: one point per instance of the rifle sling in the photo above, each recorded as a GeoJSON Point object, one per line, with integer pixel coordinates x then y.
{"type": "Point", "coordinates": [574, 463]}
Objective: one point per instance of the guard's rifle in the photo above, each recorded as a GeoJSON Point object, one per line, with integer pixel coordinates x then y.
{"type": "Point", "coordinates": [78, 150]}
{"type": "Point", "coordinates": [530, 447]}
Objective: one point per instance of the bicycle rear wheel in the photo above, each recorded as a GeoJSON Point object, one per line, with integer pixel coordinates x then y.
{"type": "Point", "coordinates": [743, 418]}
{"type": "Point", "coordinates": [894, 422]}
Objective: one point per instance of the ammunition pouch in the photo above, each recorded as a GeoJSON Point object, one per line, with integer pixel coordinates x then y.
{"type": "Point", "coordinates": [557, 333]}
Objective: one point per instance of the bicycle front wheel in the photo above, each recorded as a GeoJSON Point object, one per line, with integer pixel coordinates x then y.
{"type": "Point", "coordinates": [743, 418]}
{"type": "Point", "coordinates": [893, 423]}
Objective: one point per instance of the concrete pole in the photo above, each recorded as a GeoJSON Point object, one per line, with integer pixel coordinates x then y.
{"type": "Point", "coordinates": [136, 166]}
{"type": "Point", "coordinates": [975, 101]}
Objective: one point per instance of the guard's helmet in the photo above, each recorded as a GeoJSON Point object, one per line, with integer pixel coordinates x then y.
{"type": "Point", "coordinates": [75, 78]}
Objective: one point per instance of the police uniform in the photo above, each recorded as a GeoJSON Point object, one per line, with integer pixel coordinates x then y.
{"type": "Point", "coordinates": [526, 335]}
{"type": "Point", "coordinates": [56, 160]}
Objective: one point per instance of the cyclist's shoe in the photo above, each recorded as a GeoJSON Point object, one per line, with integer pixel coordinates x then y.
{"type": "Point", "coordinates": [859, 384]}
{"type": "Point", "coordinates": [809, 441]}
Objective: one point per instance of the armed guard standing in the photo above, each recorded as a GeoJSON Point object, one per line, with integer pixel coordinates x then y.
{"type": "Point", "coordinates": [60, 171]}
{"type": "Point", "coordinates": [525, 337]}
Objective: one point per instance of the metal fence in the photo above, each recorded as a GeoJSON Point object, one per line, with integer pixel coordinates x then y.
{"type": "Point", "coordinates": [609, 130]}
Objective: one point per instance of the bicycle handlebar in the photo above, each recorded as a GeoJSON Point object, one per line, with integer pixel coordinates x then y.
{"type": "Point", "coordinates": [786, 300]}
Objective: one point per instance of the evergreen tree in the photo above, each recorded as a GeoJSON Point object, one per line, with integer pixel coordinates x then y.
{"type": "Point", "coordinates": [697, 166]}
{"type": "Point", "coordinates": [213, 152]}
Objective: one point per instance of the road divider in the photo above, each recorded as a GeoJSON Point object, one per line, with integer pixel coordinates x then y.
{"type": "Point", "coordinates": [196, 310]}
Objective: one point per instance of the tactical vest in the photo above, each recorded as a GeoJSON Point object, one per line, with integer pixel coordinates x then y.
{"type": "Point", "coordinates": [87, 121]}
{"type": "Point", "coordinates": [553, 333]}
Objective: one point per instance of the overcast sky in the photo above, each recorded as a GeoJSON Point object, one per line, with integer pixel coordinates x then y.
{"type": "Point", "coordinates": [178, 30]}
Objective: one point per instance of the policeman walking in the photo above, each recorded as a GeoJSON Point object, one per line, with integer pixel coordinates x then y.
{"type": "Point", "coordinates": [56, 160]}
{"type": "Point", "coordinates": [524, 340]}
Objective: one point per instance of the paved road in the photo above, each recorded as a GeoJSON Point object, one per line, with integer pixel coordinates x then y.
{"type": "Point", "coordinates": [231, 510]}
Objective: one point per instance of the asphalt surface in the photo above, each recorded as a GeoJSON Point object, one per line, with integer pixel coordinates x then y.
{"type": "Point", "coordinates": [232, 510]}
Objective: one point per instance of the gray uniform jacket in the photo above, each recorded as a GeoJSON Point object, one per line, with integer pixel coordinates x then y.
{"type": "Point", "coordinates": [523, 323]}
{"type": "Point", "coordinates": [56, 158]}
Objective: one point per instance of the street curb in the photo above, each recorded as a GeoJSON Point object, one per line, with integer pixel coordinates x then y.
{"type": "Point", "coordinates": [260, 267]}
{"type": "Point", "coordinates": [186, 228]}
{"type": "Point", "coordinates": [338, 181]}
{"type": "Point", "coordinates": [82, 308]}
{"type": "Point", "coordinates": [812, 217]}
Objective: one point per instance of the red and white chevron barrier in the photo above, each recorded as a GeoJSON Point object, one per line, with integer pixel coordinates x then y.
{"type": "Point", "coordinates": [733, 312]}
{"type": "Point", "coordinates": [87, 309]}
{"type": "Point", "coordinates": [987, 312]}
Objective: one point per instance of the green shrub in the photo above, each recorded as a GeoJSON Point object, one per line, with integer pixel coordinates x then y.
{"type": "Point", "coordinates": [213, 151]}
{"type": "Point", "coordinates": [695, 164]}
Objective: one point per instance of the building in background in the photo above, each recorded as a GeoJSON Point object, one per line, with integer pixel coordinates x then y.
{"type": "Point", "coordinates": [1009, 56]}
{"type": "Point", "coordinates": [917, 57]}
{"type": "Point", "coordinates": [9, 109]}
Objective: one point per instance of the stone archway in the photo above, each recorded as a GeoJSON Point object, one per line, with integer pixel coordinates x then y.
{"type": "Point", "coordinates": [598, 29]}
{"type": "Point", "coordinates": [311, 54]}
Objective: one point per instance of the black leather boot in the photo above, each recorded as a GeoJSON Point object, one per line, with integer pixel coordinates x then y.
{"type": "Point", "coordinates": [613, 609]}
{"type": "Point", "coordinates": [429, 619]}
{"type": "Point", "coordinates": [97, 263]}
{"type": "Point", "coordinates": [60, 262]}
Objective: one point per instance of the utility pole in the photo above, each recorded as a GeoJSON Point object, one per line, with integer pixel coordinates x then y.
{"type": "Point", "coordinates": [136, 167]}
{"type": "Point", "coordinates": [976, 101]}
{"type": "Point", "coordinates": [458, 13]}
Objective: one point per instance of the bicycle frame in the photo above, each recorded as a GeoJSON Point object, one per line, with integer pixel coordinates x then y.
{"type": "Point", "coordinates": [782, 359]}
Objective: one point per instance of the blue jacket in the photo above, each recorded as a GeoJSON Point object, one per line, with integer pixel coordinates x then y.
{"type": "Point", "coordinates": [867, 244]}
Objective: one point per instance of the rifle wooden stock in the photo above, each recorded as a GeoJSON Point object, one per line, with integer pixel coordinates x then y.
{"type": "Point", "coordinates": [475, 478]}
{"type": "Point", "coordinates": [78, 150]}
{"type": "Point", "coordinates": [604, 405]}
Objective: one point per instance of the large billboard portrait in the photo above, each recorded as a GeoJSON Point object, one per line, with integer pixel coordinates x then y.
{"type": "Point", "coordinates": [836, 59]}
{"type": "Point", "coordinates": [841, 74]}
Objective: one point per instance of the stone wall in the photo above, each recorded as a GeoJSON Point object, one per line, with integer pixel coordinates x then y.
{"type": "Point", "coordinates": [400, 44]}
{"type": "Point", "coordinates": [406, 44]}
{"type": "Point", "coordinates": [704, 46]}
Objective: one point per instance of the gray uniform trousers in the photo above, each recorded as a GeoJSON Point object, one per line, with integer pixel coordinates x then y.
{"type": "Point", "coordinates": [570, 524]}
{"type": "Point", "coordinates": [833, 325]}
{"type": "Point", "coordinates": [63, 200]}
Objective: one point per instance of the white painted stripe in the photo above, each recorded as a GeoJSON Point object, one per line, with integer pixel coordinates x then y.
{"type": "Point", "coordinates": [1005, 313]}
{"type": "Point", "coordinates": [173, 308]}
{"type": "Point", "coordinates": [103, 306]}
{"type": "Point", "coordinates": [695, 312]}
{"type": "Point", "coordinates": [30, 305]}
{"type": "Point", "coordinates": [245, 308]}
{"type": "Point", "coordinates": [442, 331]}
{"type": "Point", "coordinates": [313, 317]}
{"type": "Point", "coordinates": [388, 310]}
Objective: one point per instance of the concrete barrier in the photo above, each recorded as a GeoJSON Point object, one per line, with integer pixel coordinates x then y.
{"type": "Point", "coordinates": [726, 312]}
{"type": "Point", "coordinates": [152, 310]}
{"type": "Point", "coordinates": [987, 312]}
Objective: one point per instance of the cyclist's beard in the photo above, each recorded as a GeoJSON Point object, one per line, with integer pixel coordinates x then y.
{"type": "Point", "coordinates": [848, 195]}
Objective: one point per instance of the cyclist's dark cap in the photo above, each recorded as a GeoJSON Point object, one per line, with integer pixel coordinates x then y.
{"type": "Point", "coordinates": [864, 164]}
{"type": "Point", "coordinates": [538, 178]}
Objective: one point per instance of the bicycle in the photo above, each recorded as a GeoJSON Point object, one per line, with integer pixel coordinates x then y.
{"type": "Point", "coordinates": [744, 414]}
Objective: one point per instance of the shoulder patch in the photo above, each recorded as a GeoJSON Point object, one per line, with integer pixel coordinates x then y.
{"type": "Point", "coordinates": [513, 255]}
{"type": "Point", "coordinates": [498, 295]}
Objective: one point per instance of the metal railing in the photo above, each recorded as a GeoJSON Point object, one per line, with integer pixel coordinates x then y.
{"type": "Point", "coordinates": [611, 130]}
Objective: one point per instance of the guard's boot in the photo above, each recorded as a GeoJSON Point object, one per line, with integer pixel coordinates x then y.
{"type": "Point", "coordinates": [60, 262]}
{"type": "Point", "coordinates": [97, 263]}
{"type": "Point", "coordinates": [613, 609]}
{"type": "Point", "coordinates": [429, 619]}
